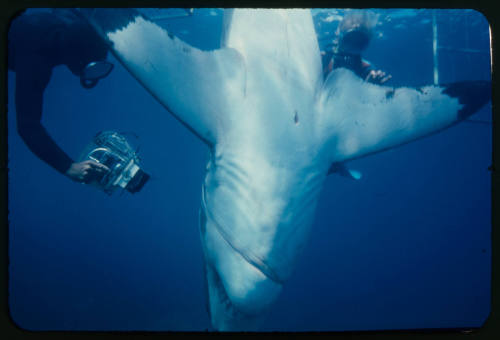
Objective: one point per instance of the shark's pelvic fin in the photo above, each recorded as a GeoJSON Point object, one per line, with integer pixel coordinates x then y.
{"type": "Point", "coordinates": [342, 170]}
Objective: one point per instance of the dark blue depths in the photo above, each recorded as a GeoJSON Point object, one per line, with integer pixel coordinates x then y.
{"type": "Point", "coordinates": [407, 246]}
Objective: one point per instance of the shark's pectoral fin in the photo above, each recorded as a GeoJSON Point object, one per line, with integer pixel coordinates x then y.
{"type": "Point", "coordinates": [195, 86]}
{"type": "Point", "coordinates": [359, 118]}
{"type": "Point", "coordinates": [342, 170]}
{"type": "Point", "coordinates": [472, 95]}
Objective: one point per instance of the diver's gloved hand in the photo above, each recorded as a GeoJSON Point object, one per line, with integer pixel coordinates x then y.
{"type": "Point", "coordinates": [86, 171]}
{"type": "Point", "coordinates": [377, 77]}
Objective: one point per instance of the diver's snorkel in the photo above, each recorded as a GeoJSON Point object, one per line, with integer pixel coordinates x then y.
{"type": "Point", "coordinates": [93, 72]}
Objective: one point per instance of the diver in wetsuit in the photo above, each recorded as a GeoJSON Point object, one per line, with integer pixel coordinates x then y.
{"type": "Point", "coordinates": [353, 36]}
{"type": "Point", "coordinates": [38, 42]}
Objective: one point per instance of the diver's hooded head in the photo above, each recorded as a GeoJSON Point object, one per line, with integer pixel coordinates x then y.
{"type": "Point", "coordinates": [355, 31]}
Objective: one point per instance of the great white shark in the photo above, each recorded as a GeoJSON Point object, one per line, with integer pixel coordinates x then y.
{"type": "Point", "coordinates": [275, 129]}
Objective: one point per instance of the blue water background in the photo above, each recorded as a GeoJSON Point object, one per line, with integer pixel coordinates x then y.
{"type": "Point", "coordinates": [407, 246]}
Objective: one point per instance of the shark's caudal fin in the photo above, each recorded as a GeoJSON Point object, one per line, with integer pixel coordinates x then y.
{"type": "Point", "coordinates": [360, 118]}
{"type": "Point", "coordinates": [192, 84]}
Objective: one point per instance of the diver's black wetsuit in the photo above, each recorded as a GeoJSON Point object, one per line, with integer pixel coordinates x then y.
{"type": "Point", "coordinates": [37, 43]}
{"type": "Point", "coordinates": [352, 62]}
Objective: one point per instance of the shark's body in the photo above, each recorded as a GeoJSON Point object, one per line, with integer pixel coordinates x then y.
{"type": "Point", "coordinates": [274, 129]}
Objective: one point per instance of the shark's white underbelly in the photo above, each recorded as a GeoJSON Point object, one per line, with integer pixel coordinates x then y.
{"type": "Point", "coordinates": [263, 210]}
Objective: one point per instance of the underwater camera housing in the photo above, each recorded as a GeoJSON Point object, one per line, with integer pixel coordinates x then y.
{"type": "Point", "coordinates": [112, 149]}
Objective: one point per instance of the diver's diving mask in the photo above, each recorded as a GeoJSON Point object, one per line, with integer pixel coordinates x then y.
{"type": "Point", "coordinates": [112, 149]}
{"type": "Point", "coordinates": [354, 40]}
{"type": "Point", "coordinates": [93, 72]}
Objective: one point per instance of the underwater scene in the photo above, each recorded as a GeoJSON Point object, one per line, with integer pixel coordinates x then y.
{"type": "Point", "coordinates": [347, 189]}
